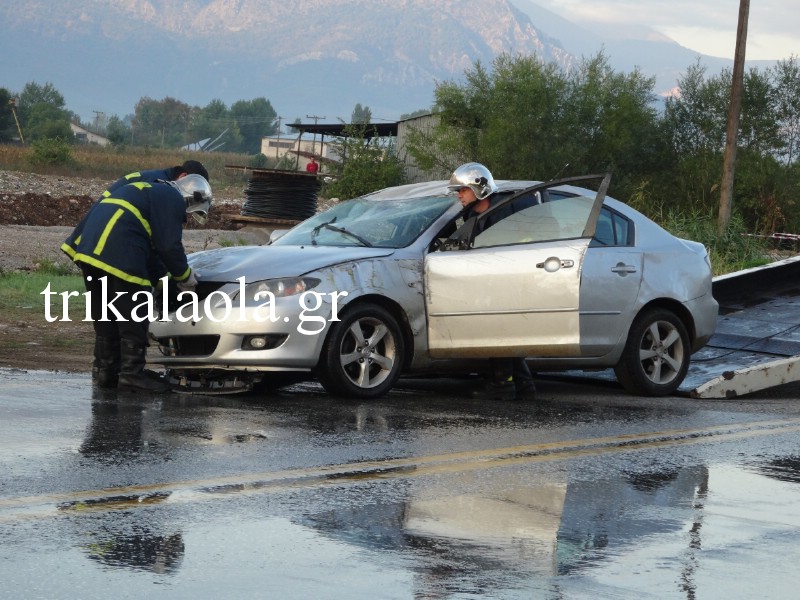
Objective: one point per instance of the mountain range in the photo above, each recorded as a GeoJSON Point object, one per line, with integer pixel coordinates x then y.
{"type": "Point", "coordinates": [312, 59]}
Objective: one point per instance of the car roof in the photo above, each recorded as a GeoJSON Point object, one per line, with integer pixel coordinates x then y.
{"type": "Point", "coordinates": [439, 188]}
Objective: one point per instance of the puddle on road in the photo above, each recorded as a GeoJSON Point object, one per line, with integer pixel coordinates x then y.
{"type": "Point", "coordinates": [528, 530]}
{"type": "Point", "coordinates": [689, 532]}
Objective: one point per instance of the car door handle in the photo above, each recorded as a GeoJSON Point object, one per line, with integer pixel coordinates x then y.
{"type": "Point", "coordinates": [622, 269]}
{"type": "Point", "coordinates": [554, 263]}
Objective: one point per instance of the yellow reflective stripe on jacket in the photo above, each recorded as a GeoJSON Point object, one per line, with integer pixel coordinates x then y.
{"type": "Point", "coordinates": [91, 260]}
{"type": "Point", "coordinates": [69, 250]}
{"type": "Point", "coordinates": [129, 176]}
{"type": "Point", "coordinates": [109, 226]}
{"type": "Point", "coordinates": [127, 205]}
{"type": "Point", "coordinates": [185, 275]}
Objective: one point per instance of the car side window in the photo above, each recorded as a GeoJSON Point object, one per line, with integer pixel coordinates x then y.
{"type": "Point", "coordinates": [560, 220]}
{"type": "Point", "coordinates": [612, 230]}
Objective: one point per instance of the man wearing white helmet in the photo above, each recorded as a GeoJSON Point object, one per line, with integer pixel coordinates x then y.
{"type": "Point", "coordinates": [475, 186]}
{"type": "Point", "coordinates": [130, 239]}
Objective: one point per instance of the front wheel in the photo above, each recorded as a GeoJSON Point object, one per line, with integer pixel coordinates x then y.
{"type": "Point", "coordinates": [363, 355]}
{"type": "Point", "coordinates": [656, 355]}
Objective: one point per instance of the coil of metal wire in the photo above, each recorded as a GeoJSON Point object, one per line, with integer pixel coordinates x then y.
{"type": "Point", "coordinates": [292, 198]}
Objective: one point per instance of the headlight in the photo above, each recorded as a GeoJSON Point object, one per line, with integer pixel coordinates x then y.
{"type": "Point", "coordinates": [278, 288]}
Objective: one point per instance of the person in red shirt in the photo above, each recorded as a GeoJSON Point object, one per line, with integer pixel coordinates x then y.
{"type": "Point", "coordinates": [312, 167]}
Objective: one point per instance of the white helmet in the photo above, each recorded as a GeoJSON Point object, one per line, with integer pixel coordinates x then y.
{"type": "Point", "coordinates": [196, 191]}
{"type": "Point", "coordinates": [474, 176]}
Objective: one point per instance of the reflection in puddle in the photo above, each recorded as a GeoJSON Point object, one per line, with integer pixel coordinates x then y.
{"type": "Point", "coordinates": [521, 525]}
{"type": "Point", "coordinates": [786, 468]}
{"type": "Point", "coordinates": [671, 531]}
{"type": "Point", "coordinates": [138, 549]}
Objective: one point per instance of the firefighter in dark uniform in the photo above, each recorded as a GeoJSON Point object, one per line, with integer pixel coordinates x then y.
{"type": "Point", "coordinates": [189, 167]}
{"type": "Point", "coordinates": [129, 240]}
{"type": "Point", "coordinates": [475, 186]}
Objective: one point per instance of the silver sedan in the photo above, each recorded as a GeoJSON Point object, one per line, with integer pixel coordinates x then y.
{"type": "Point", "coordinates": [397, 282]}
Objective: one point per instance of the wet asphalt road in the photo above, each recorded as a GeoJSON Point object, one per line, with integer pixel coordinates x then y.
{"type": "Point", "coordinates": [589, 493]}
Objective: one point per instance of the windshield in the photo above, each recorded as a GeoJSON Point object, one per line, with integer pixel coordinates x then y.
{"type": "Point", "coordinates": [369, 222]}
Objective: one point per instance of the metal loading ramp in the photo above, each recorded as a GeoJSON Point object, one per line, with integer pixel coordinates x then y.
{"type": "Point", "coordinates": [757, 341]}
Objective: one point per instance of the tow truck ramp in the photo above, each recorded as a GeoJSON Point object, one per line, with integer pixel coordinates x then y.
{"type": "Point", "coordinates": [757, 341]}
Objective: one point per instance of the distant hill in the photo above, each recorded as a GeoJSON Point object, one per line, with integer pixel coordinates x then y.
{"type": "Point", "coordinates": [307, 57]}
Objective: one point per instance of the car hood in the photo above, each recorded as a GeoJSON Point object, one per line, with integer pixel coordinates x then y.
{"type": "Point", "coordinates": [269, 262]}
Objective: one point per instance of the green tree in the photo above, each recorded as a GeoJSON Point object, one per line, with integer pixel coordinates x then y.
{"type": "Point", "coordinates": [361, 115]}
{"type": "Point", "coordinates": [612, 122]}
{"type": "Point", "coordinates": [517, 110]}
{"type": "Point", "coordinates": [759, 129]}
{"type": "Point", "coordinates": [117, 131]}
{"type": "Point", "coordinates": [526, 119]}
{"type": "Point", "coordinates": [255, 120]}
{"type": "Point", "coordinates": [42, 114]}
{"type": "Point", "coordinates": [161, 123]}
{"type": "Point", "coordinates": [694, 125]}
{"type": "Point", "coordinates": [33, 94]}
{"type": "Point", "coordinates": [696, 117]}
{"type": "Point", "coordinates": [215, 123]}
{"type": "Point", "coordinates": [8, 128]}
{"type": "Point", "coordinates": [367, 164]}
{"type": "Point", "coordinates": [786, 78]}
{"type": "Point", "coordinates": [48, 122]}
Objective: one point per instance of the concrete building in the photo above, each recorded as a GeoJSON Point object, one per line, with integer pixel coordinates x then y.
{"type": "Point", "coordinates": [84, 136]}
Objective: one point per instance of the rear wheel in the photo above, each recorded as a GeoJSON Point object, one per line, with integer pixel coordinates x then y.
{"type": "Point", "coordinates": [363, 355]}
{"type": "Point", "coordinates": [656, 356]}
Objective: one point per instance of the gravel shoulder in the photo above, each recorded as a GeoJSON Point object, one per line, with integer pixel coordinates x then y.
{"type": "Point", "coordinates": [25, 247]}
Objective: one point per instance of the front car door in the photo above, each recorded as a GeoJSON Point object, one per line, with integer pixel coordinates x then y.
{"type": "Point", "coordinates": [514, 288]}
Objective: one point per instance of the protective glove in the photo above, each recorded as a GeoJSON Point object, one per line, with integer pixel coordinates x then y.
{"type": "Point", "coordinates": [189, 284]}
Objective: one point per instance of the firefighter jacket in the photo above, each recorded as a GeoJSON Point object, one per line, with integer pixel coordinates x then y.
{"type": "Point", "coordinates": [132, 233]}
{"type": "Point", "coordinates": [150, 176]}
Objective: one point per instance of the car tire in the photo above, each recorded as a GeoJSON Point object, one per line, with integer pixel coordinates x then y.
{"type": "Point", "coordinates": [656, 355]}
{"type": "Point", "coordinates": [363, 355]}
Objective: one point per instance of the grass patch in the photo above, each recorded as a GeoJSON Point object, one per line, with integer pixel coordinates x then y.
{"type": "Point", "coordinates": [228, 243]}
{"type": "Point", "coordinates": [21, 295]}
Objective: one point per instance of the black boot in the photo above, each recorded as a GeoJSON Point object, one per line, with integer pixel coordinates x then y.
{"type": "Point", "coordinates": [525, 390]}
{"type": "Point", "coordinates": [133, 375]}
{"type": "Point", "coordinates": [105, 368]}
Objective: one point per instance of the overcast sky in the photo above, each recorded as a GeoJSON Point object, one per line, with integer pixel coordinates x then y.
{"type": "Point", "coordinates": [706, 26]}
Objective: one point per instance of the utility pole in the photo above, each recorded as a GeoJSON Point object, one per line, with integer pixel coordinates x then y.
{"type": "Point", "coordinates": [734, 112]}
{"type": "Point", "coordinates": [278, 141]}
{"type": "Point", "coordinates": [12, 102]}
{"type": "Point", "coordinates": [97, 120]}
{"type": "Point", "coordinates": [314, 139]}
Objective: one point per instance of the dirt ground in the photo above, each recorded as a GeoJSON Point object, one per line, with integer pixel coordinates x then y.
{"type": "Point", "coordinates": [37, 212]}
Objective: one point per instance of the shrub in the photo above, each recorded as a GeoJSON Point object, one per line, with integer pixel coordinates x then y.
{"type": "Point", "coordinates": [259, 161]}
{"type": "Point", "coordinates": [50, 151]}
